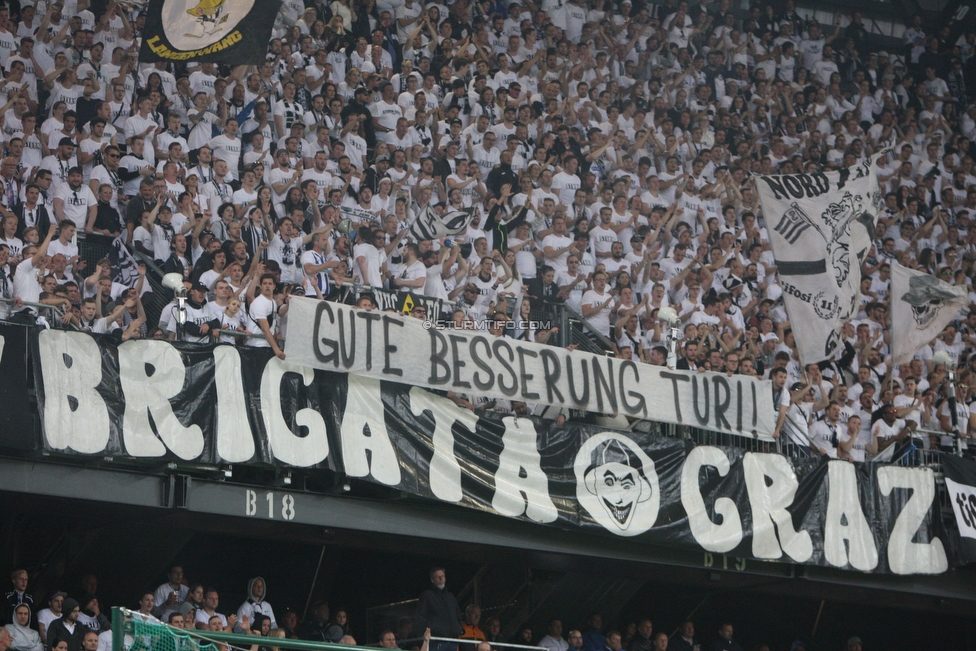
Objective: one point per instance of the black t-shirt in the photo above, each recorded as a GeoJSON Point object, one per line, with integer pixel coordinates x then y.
{"type": "Point", "coordinates": [107, 218]}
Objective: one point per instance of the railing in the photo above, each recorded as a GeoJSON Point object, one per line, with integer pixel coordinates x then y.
{"type": "Point", "coordinates": [56, 313]}
{"type": "Point", "coordinates": [387, 616]}
{"type": "Point", "coordinates": [154, 276]}
{"type": "Point", "coordinates": [94, 249]}
{"type": "Point", "coordinates": [122, 619]}
{"type": "Point", "coordinates": [577, 330]}
{"type": "Point", "coordinates": [236, 333]}
{"type": "Point", "coordinates": [507, 645]}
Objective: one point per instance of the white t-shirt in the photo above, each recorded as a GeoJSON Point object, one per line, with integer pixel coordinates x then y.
{"type": "Point", "coordinates": [417, 270]}
{"type": "Point", "coordinates": [202, 617]}
{"type": "Point", "coordinates": [556, 242]}
{"type": "Point", "coordinates": [76, 203]}
{"type": "Point", "coordinates": [599, 320]}
{"type": "Point", "coordinates": [882, 431]}
{"type": "Point", "coordinates": [822, 434]}
{"type": "Point", "coordinates": [45, 617]}
{"type": "Point", "coordinates": [287, 255]}
{"type": "Point", "coordinates": [263, 308]}
{"type": "Point", "coordinates": [565, 185]}
{"type": "Point", "coordinates": [371, 256]}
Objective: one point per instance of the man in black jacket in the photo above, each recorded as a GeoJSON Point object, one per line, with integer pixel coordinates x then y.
{"type": "Point", "coordinates": [359, 105]}
{"type": "Point", "coordinates": [438, 610]}
{"type": "Point", "coordinates": [543, 289]}
{"type": "Point", "coordinates": [67, 627]}
{"type": "Point", "coordinates": [502, 175]}
{"type": "Point", "coordinates": [642, 640]}
{"type": "Point", "coordinates": [684, 639]}
{"type": "Point", "coordinates": [689, 362]}
{"type": "Point", "coordinates": [725, 641]}
{"type": "Point", "coordinates": [16, 596]}
{"type": "Point", "coordinates": [143, 202]}
{"type": "Point", "coordinates": [32, 212]}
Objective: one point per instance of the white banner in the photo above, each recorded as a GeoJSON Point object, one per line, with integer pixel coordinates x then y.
{"type": "Point", "coordinates": [820, 228]}
{"type": "Point", "coordinates": [387, 346]}
{"type": "Point", "coordinates": [963, 497]}
{"type": "Point", "coordinates": [921, 306]}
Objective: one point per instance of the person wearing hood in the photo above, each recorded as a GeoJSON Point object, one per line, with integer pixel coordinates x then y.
{"type": "Point", "coordinates": [438, 610]}
{"type": "Point", "coordinates": [91, 616]}
{"type": "Point", "coordinates": [67, 628]}
{"type": "Point", "coordinates": [23, 637]}
{"type": "Point", "coordinates": [256, 591]}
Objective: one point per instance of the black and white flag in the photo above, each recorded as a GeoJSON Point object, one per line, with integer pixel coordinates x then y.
{"type": "Point", "coordinates": [430, 226]}
{"type": "Point", "coordinates": [960, 480]}
{"type": "Point", "coordinates": [215, 31]}
{"type": "Point", "coordinates": [125, 269]}
{"type": "Point", "coordinates": [820, 227]}
{"type": "Point", "coordinates": [921, 306]}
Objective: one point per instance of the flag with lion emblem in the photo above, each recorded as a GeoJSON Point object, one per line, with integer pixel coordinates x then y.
{"type": "Point", "coordinates": [921, 306]}
{"type": "Point", "coordinates": [214, 31]}
{"type": "Point", "coordinates": [820, 227]}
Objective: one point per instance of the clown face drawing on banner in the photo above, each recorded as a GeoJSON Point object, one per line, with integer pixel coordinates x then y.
{"type": "Point", "coordinates": [617, 484]}
{"type": "Point", "coordinates": [193, 24]}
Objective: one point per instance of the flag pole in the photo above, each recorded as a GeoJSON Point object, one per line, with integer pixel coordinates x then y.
{"type": "Point", "coordinates": [891, 370]}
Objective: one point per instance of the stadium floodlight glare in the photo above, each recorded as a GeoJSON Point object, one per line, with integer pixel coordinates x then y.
{"type": "Point", "coordinates": [174, 281]}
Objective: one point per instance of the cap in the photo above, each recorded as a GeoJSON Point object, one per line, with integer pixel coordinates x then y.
{"type": "Point", "coordinates": [66, 142]}
{"type": "Point", "coordinates": [199, 287]}
{"type": "Point", "coordinates": [854, 640]}
{"type": "Point", "coordinates": [883, 55]}
{"type": "Point", "coordinates": [68, 605]}
{"type": "Point", "coordinates": [185, 608]}
{"type": "Point", "coordinates": [56, 594]}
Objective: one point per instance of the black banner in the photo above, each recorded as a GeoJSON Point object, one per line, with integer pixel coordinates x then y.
{"type": "Point", "coordinates": [960, 479]}
{"type": "Point", "coordinates": [215, 31]}
{"type": "Point", "coordinates": [221, 404]}
{"type": "Point", "coordinates": [403, 302]}
{"type": "Point", "coordinates": [16, 430]}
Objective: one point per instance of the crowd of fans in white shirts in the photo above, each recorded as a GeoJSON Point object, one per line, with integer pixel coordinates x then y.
{"type": "Point", "coordinates": [609, 151]}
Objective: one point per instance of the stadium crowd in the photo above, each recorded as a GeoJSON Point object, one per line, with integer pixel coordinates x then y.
{"type": "Point", "coordinates": [609, 151]}
{"type": "Point", "coordinates": [64, 623]}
